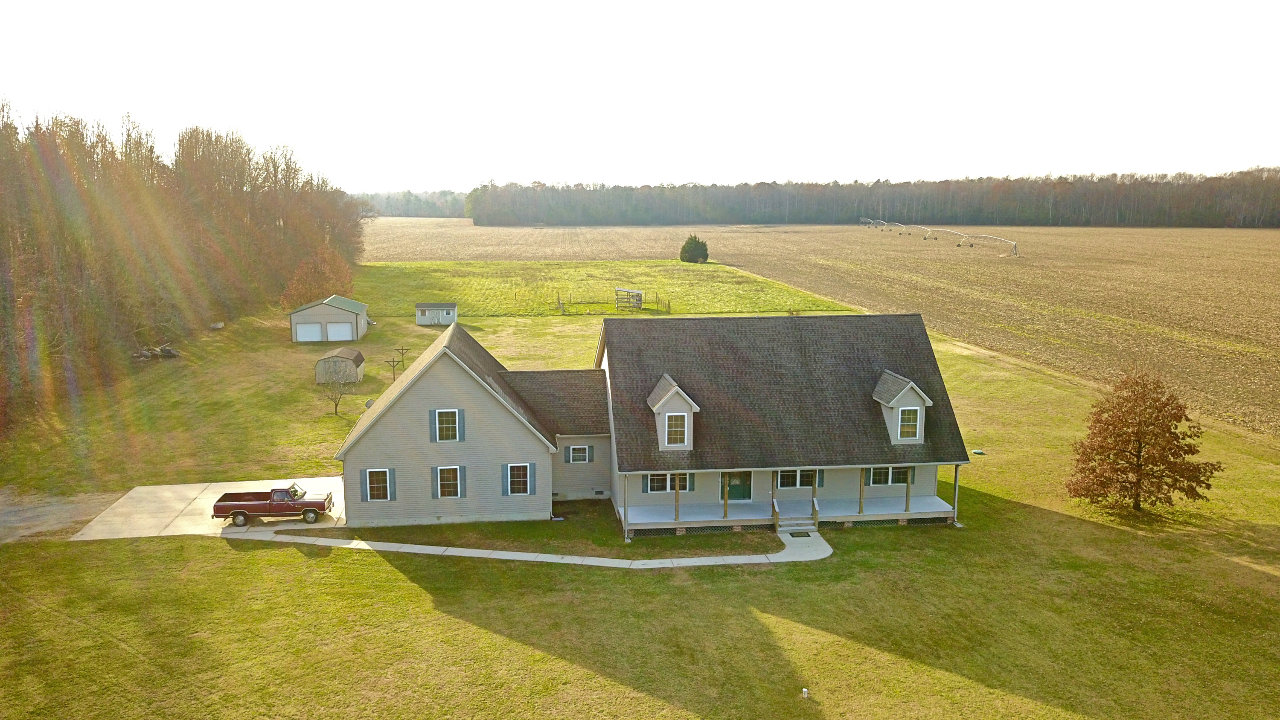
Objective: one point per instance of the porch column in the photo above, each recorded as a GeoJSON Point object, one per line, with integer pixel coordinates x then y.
{"type": "Point", "coordinates": [672, 479]}
{"type": "Point", "coordinates": [910, 473]}
{"type": "Point", "coordinates": [724, 490]}
{"type": "Point", "coordinates": [626, 530]}
{"type": "Point", "coordinates": [862, 487]}
{"type": "Point", "coordinates": [813, 504]}
{"type": "Point", "coordinates": [955, 497]}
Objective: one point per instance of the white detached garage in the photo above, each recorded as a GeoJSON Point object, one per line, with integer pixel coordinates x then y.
{"type": "Point", "coordinates": [334, 319]}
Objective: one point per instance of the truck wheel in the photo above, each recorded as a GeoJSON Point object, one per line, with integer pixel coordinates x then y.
{"type": "Point", "coordinates": [239, 519]}
{"type": "Point", "coordinates": [310, 516]}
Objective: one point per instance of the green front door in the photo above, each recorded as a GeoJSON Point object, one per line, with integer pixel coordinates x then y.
{"type": "Point", "coordinates": [739, 485]}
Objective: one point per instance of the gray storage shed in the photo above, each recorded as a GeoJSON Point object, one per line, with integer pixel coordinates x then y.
{"type": "Point", "coordinates": [334, 319]}
{"type": "Point", "coordinates": [437, 313]}
{"type": "Point", "coordinates": [342, 364]}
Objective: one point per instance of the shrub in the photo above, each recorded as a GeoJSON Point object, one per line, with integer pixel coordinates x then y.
{"type": "Point", "coordinates": [693, 250]}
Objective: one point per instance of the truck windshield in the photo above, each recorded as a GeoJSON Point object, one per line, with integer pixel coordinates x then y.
{"type": "Point", "coordinates": [296, 491]}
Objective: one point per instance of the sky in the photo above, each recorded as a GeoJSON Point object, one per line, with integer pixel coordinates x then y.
{"type": "Point", "coordinates": [446, 96]}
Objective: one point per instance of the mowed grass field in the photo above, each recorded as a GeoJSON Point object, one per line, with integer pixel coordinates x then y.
{"type": "Point", "coordinates": [1040, 607]}
{"type": "Point", "coordinates": [1200, 306]}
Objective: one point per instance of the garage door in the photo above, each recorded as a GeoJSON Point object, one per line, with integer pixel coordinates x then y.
{"type": "Point", "coordinates": [340, 331]}
{"type": "Point", "coordinates": [308, 332]}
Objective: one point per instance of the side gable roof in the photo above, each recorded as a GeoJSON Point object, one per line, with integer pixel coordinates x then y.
{"type": "Point", "coordinates": [891, 386]}
{"type": "Point", "coordinates": [790, 391]}
{"type": "Point", "coordinates": [336, 301]}
{"type": "Point", "coordinates": [459, 345]}
{"type": "Point", "coordinates": [436, 306]}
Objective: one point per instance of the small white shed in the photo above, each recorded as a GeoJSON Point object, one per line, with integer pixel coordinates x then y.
{"type": "Point", "coordinates": [334, 319]}
{"type": "Point", "coordinates": [437, 313]}
{"type": "Point", "coordinates": [342, 364]}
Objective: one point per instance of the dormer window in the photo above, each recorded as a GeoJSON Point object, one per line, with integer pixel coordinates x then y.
{"type": "Point", "coordinates": [908, 423]}
{"type": "Point", "coordinates": [677, 425]}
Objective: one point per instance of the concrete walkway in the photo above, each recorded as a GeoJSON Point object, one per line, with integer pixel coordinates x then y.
{"type": "Point", "coordinates": [797, 549]}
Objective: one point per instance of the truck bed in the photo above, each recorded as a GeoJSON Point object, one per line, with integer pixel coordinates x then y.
{"type": "Point", "coordinates": [244, 497]}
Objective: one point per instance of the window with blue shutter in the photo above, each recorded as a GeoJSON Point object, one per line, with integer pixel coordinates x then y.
{"type": "Point", "coordinates": [533, 478]}
{"type": "Point", "coordinates": [506, 479]}
{"type": "Point", "coordinates": [364, 486]}
{"type": "Point", "coordinates": [391, 484]}
{"type": "Point", "coordinates": [462, 481]}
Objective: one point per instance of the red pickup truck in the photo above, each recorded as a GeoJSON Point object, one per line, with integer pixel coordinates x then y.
{"type": "Point", "coordinates": [284, 502]}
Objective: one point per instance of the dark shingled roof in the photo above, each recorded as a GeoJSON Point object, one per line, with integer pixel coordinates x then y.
{"type": "Point", "coordinates": [775, 391]}
{"type": "Point", "coordinates": [436, 306]}
{"type": "Point", "coordinates": [353, 355]}
{"type": "Point", "coordinates": [569, 402]}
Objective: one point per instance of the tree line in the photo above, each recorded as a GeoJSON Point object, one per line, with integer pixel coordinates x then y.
{"type": "Point", "coordinates": [440, 204]}
{"type": "Point", "coordinates": [106, 247]}
{"type": "Point", "coordinates": [1246, 199]}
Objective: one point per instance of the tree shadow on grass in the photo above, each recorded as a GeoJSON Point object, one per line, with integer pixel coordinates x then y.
{"type": "Point", "coordinates": [1025, 602]}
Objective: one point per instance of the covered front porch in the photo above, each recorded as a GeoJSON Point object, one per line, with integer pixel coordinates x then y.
{"type": "Point", "coordinates": [761, 513]}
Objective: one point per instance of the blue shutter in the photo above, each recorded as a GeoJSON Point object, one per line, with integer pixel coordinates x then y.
{"type": "Point", "coordinates": [462, 481]}
{"type": "Point", "coordinates": [462, 427]}
{"type": "Point", "coordinates": [566, 454]}
{"type": "Point", "coordinates": [591, 453]}
{"type": "Point", "coordinates": [391, 483]}
{"type": "Point", "coordinates": [506, 479]}
{"type": "Point", "coordinates": [433, 426]}
{"type": "Point", "coordinates": [775, 480]}
{"type": "Point", "coordinates": [533, 478]}
{"type": "Point", "coordinates": [911, 474]}
{"type": "Point", "coordinates": [819, 477]}
{"type": "Point", "coordinates": [866, 476]}
{"type": "Point", "coordinates": [690, 482]}
{"type": "Point", "coordinates": [364, 486]}
{"type": "Point", "coordinates": [435, 477]}
{"type": "Point", "coordinates": [644, 483]}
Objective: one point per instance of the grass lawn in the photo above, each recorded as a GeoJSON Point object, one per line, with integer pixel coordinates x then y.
{"type": "Point", "coordinates": [513, 289]}
{"type": "Point", "coordinates": [1041, 607]}
{"type": "Point", "coordinates": [589, 528]}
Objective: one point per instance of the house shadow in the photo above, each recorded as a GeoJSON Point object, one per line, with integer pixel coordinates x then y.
{"type": "Point", "coordinates": [1048, 608]}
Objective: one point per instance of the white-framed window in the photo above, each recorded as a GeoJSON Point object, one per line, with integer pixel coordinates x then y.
{"type": "Point", "coordinates": [518, 479]}
{"type": "Point", "coordinates": [379, 482]}
{"type": "Point", "coordinates": [578, 454]}
{"type": "Point", "coordinates": [677, 428]}
{"type": "Point", "coordinates": [797, 478]}
{"type": "Point", "coordinates": [446, 425]}
{"type": "Point", "coordinates": [890, 475]}
{"type": "Point", "coordinates": [667, 482]}
{"type": "Point", "coordinates": [447, 484]}
{"type": "Point", "coordinates": [908, 423]}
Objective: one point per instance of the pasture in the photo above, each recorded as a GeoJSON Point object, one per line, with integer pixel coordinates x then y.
{"type": "Point", "coordinates": [1197, 305]}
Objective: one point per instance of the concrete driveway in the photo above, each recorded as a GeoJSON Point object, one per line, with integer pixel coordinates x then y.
{"type": "Point", "coordinates": [154, 510]}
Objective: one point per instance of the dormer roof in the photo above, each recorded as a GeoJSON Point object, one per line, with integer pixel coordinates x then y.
{"type": "Point", "coordinates": [665, 388]}
{"type": "Point", "coordinates": [891, 386]}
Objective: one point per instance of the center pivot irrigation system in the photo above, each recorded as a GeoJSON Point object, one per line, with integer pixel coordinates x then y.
{"type": "Point", "coordinates": [1013, 250]}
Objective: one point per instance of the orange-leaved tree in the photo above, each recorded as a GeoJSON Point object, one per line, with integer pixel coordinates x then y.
{"type": "Point", "coordinates": [323, 274]}
{"type": "Point", "coordinates": [1139, 448]}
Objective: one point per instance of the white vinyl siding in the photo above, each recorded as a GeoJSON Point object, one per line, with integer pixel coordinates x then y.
{"type": "Point", "coordinates": [493, 436]}
{"type": "Point", "coordinates": [583, 480]}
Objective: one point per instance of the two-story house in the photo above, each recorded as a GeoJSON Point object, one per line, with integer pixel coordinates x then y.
{"type": "Point", "coordinates": [683, 422]}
